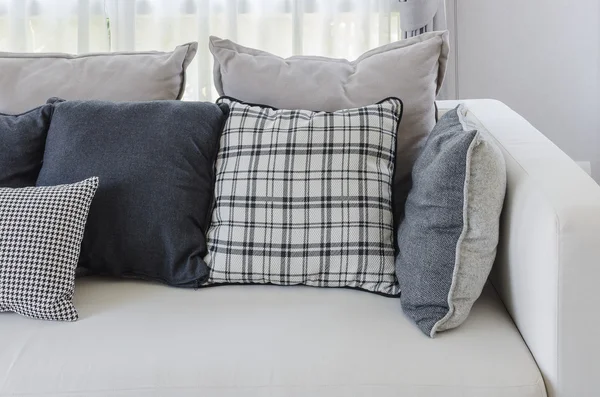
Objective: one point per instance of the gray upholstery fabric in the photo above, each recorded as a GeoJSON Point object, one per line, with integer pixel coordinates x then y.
{"type": "Point", "coordinates": [155, 162]}
{"type": "Point", "coordinates": [447, 241]}
{"type": "Point", "coordinates": [22, 140]}
{"type": "Point", "coordinates": [412, 70]}
{"type": "Point", "coordinates": [27, 80]}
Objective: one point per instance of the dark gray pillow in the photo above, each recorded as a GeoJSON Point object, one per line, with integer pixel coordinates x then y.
{"type": "Point", "coordinates": [155, 162]}
{"type": "Point", "coordinates": [447, 241]}
{"type": "Point", "coordinates": [22, 140]}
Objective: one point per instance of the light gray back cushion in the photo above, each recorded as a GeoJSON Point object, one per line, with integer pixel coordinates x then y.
{"type": "Point", "coordinates": [28, 80]}
{"type": "Point", "coordinates": [448, 239]}
{"type": "Point", "coordinates": [412, 70]}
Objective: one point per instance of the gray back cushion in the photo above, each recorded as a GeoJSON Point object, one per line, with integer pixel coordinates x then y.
{"type": "Point", "coordinates": [412, 70]}
{"type": "Point", "coordinates": [447, 241]}
{"type": "Point", "coordinates": [22, 140]}
{"type": "Point", "coordinates": [155, 163]}
{"type": "Point", "coordinates": [28, 80]}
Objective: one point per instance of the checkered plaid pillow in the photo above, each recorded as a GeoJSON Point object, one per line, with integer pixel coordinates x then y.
{"type": "Point", "coordinates": [41, 229]}
{"type": "Point", "coordinates": [305, 197]}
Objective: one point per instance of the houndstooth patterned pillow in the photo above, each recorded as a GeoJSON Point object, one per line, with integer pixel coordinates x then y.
{"type": "Point", "coordinates": [41, 229]}
{"type": "Point", "coordinates": [305, 197]}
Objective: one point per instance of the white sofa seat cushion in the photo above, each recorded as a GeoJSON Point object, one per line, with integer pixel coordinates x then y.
{"type": "Point", "coordinates": [142, 339]}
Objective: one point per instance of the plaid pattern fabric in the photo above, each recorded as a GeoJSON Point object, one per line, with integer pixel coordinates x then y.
{"type": "Point", "coordinates": [305, 197]}
{"type": "Point", "coordinates": [41, 229]}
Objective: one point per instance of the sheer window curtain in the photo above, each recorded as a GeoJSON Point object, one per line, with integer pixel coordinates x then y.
{"type": "Point", "coordinates": [334, 28]}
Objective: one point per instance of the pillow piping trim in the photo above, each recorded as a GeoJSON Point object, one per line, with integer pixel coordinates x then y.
{"type": "Point", "coordinates": [222, 284]}
{"type": "Point", "coordinates": [27, 111]}
{"type": "Point", "coordinates": [223, 97]}
{"type": "Point", "coordinates": [463, 232]}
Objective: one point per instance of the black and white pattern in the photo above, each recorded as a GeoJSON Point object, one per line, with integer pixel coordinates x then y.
{"type": "Point", "coordinates": [305, 197]}
{"type": "Point", "coordinates": [41, 229]}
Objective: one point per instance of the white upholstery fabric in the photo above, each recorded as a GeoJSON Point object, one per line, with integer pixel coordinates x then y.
{"type": "Point", "coordinates": [547, 267]}
{"type": "Point", "coordinates": [142, 339]}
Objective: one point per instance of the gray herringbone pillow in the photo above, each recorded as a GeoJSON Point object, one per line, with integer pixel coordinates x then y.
{"type": "Point", "coordinates": [305, 197]}
{"type": "Point", "coordinates": [447, 241]}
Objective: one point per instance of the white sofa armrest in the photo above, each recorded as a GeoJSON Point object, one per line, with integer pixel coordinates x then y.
{"type": "Point", "coordinates": [547, 270]}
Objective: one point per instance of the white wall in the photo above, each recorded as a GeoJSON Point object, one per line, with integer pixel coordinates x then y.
{"type": "Point", "coordinates": [542, 58]}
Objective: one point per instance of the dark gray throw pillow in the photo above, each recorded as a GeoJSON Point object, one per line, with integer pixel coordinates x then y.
{"type": "Point", "coordinates": [22, 140]}
{"type": "Point", "coordinates": [155, 162]}
{"type": "Point", "coordinates": [448, 238]}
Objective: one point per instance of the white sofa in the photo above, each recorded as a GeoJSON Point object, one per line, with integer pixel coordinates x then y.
{"type": "Point", "coordinates": [531, 334]}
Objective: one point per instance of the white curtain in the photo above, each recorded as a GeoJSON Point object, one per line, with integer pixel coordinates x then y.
{"type": "Point", "coordinates": [335, 28]}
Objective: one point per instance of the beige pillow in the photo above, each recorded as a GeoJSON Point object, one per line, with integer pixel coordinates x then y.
{"type": "Point", "coordinates": [28, 80]}
{"type": "Point", "coordinates": [411, 69]}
